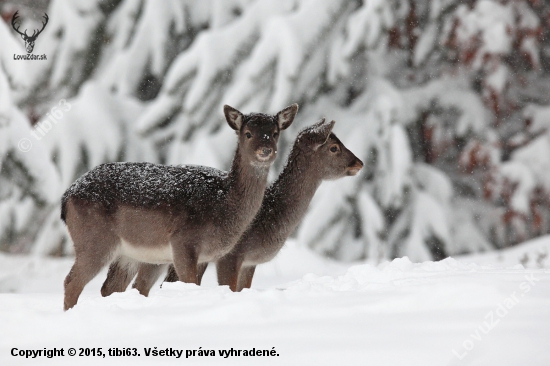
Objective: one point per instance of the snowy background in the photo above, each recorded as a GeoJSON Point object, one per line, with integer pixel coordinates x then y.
{"type": "Point", "coordinates": [447, 103]}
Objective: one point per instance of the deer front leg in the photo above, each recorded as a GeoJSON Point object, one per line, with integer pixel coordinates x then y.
{"type": "Point", "coordinates": [185, 264]}
{"type": "Point", "coordinates": [147, 276]}
{"type": "Point", "coordinates": [228, 271]}
{"type": "Point", "coordinates": [172, 276]}
{"type": "Point", "coordinates": [245, 277]}
{"type": "Point", "coordinates": [119, 276]}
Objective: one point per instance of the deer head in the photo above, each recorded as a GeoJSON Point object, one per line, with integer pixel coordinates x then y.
{"type": "Point", "coordinates": [326, 153]}
{"type": "Point", "coordinates": [29, 40]}
{"type": "Point", "coordinates": [258, 133]}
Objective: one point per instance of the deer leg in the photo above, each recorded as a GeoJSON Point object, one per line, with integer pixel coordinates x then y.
{"type": "Point", "coordinates": [185, 263]}
{"type": "Point", "coordinates": [147, 276]}
{"type": "Point", "coordinates": [201, 268]}
{"type": "Point", "coordinates": [95, 245]}
{"type": "Point", "coordinates": [245, 277]}
{"type": "Point", "coordinates": [171, 276]}
{"type": "Point", "coordinates": [82, 272]}
{"type": "Point", "coordinates": [119, 276]}
{"type": "Point", "coordinates": [228, 271]}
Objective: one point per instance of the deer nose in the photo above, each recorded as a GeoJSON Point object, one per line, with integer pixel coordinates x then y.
{"type": "Point", "coordinates": [355, 167]}
{"type": "Point", "coordinates": [264, 152]}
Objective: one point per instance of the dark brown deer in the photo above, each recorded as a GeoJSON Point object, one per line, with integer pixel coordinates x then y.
{"type": "Point", "coordinates": [317, 155]}
{"type": "Point", "coordinates": [185, 215]}
{"type": "Point", "coordinates": [29, 40]}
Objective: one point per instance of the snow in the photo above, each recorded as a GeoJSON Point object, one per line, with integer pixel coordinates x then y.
{"type": "Point", "coordinates": [216, 51]}
{"type": "Point", "coordinates": [433, 181]}
{"type": "Point", "coordinates": [95, 124]}
{"type": "Point", "coordinates": [531, 254]}
{"type": "Point", "coordinates": [286, 42]}
{"type": "Point", "coordinates": [376, 67]}
{"type": "Point", "coordinates": [428, 219]}
{"type": "Point", "coordinates": [146, 45]}
{"type": "Point", "coordinates": [366, 25]}
{"type": "Point", "coordinates": [490, 20]}
{"type": "Point", "coordinates": [11, 67]}
{"type": "Point", "coordinates": [66, 39]}
{"type": "Point", "coordinates": [398, 164]}
{"type": "Point", "coordinates": [533, 158]}
{"type": "Point", "coordinates": [373, 224]}
{"type": "Point", "coordinates": [329, 205]}
{"type": "Point", "coordinates": [519, 173]}
{"type": "Point", "coordinates": [312, 310]}
{"type": "Point", "coordinates": [493, 23]}
{"type": "Point", "coordinates": [497, 78]}
{"type": "Point", "coordinates": [449, 93]}
{"type": "Point", "coordinates": [425, 44]}
{"type": "Point", "coordinates": [19, 157]}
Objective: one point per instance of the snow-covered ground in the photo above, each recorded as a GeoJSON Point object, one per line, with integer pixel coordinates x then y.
{"type": "Point", "coordinates": [311, 310]}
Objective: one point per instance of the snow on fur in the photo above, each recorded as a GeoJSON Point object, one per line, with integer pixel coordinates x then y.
{"type": "Point", "coordinates": [148, 185]}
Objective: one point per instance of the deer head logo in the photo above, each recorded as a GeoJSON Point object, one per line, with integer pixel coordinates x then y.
{"type": "Point", "coordinates": [29, 40]}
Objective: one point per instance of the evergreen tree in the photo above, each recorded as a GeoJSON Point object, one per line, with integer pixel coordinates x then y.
{"type": "Point", "coordinates": [444, 100]}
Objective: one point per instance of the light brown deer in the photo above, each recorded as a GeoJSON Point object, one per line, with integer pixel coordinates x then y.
{"type": "Point", "coordinates": [185, 215]}
{"type": "Point", "coordinates": [317, 155]}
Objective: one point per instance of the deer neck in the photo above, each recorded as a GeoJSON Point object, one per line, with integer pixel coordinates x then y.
{"type": "Point", "coordinates": [293, 190]}
{"type": "Point", "coordinates": [247, 184]}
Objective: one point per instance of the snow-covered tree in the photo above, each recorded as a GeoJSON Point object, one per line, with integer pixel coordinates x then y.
{"type": "Point", "coordinates": [29, 185]}
{"type": "Point", "coordinates": [444, 100]}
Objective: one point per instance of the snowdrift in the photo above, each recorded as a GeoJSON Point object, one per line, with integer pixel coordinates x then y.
{"type": "Point", "coordinates": [312, 311]}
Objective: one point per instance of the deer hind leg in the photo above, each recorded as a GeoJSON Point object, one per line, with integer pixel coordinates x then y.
{"type": "Point", "coordinates": [119, 276]}
{"type": "Point", "coordinates": [245, 277]}
{"type": "Point", "coordinates": [85, 268]}
{"type": "Point", "coordinates": [95, 245]}
{"type": "Point", "coordinates": [147, 276]}
{"type": "Point", "coordinates": [228, 268]}
{"type": "Point", "coordinates": [172, 276]}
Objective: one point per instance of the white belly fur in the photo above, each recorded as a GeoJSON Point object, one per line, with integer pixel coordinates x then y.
{"type": "Point", "coordinates": [157, 255]}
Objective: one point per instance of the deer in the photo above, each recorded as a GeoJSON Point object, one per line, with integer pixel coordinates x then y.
{"type": "Point", "coordinates": [29, 40]}
{"type": "Point", "coordinates": [317, 155]}
{"type": "Point", "coordinates": [129, 213]}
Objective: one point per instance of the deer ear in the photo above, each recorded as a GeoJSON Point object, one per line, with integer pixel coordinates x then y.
{"type": "Point", "coordinates": [324, 129]}
{"type": "Point", "coordinates": [233, 117]}
{"type": "Point", "coordinates": [286, 116]}
{"type": "Point", "coordinates": [327, 130]}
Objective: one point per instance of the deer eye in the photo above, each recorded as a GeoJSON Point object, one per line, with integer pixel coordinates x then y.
{"type": "Point", "coordinates": [248, 135]}
{"type": "Point", "coordinates": [275, 135]}
{"type": "Point", "coordinates": [334, 148]}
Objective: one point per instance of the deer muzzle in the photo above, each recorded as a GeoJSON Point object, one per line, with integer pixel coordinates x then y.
{"type": "Point", "coordinates": [264, 153]}
{"type": "Point", "coordinates": [355, 167]}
